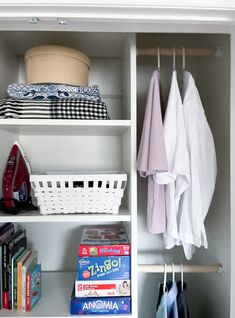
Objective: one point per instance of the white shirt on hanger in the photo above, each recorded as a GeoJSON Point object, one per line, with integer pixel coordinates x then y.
{"type": "Point", "coordinates": [196, 199]}
{"type": "Point", "coordinates": [178, 178]}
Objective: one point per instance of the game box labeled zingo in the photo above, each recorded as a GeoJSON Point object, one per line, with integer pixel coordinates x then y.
{"type": "Point", "coordinates": [103, 268]}
{"type": "Point", "coordinates": [100, 306]}
{"type": "Point", "coordinates": [104, 241]}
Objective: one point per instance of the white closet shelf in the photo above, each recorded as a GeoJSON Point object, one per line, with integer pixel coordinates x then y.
{"type": "Point", "coordinates": [63, 126]}
{"type": "Point", "coordinates": [35, 216]}
{"type": "Point", "coordinates": [55, 301]}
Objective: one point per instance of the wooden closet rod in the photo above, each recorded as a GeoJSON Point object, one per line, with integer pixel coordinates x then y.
{"type": "Point", "coordinates": [179, 51]}
{"type": "Point", "coordinates": [159, 268]}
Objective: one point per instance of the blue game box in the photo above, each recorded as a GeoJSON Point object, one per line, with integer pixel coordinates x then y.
{"type": "Point", "coordinates": [104, 268]}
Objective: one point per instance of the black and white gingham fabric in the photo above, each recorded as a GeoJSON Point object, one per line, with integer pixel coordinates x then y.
{"type": "Point", "coordinates": [82, 109]}
{"type": "Point", "coordinates": [54, 109]}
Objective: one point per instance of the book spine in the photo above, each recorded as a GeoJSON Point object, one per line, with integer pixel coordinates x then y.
{"type": "Point", "coordinates": [15, 264]}
{"type": "Point", "coordinates": [7, 247]}
{"type": "Point", "coordinates": [8, 231]}
{"type": "Point", "coordinates": [23, 288]}
{"type": "Point", "coordinates": [28, 291]}
{"type": "Point", "coordinates": [15, 288]}
{"type": "Point", "coordinates": [19, 286]}
{"type": "Point", "coordinates": [21, 243]}
{"type": "Point", "coordinates": [35, 285]}
{"type": "Point", "coordinates": [10, 283]}
{"type": "Point", "coordinates": [5, 261]}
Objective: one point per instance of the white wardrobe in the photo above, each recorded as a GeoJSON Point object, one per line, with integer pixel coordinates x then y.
{"type": "Point", "coordinates": [111, 37]}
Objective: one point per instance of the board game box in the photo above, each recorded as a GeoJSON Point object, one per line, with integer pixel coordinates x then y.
{"type": "Point", "coordinates": [104, 241]}
{"type": "Point", "coordinates": [100, 306]}
{"type": "Point", "coordinates": [103, 268]}
{"type": "Point", "coordinates": [105, 288]}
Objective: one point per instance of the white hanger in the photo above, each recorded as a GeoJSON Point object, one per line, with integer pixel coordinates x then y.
{"type": "Point", "coordinates": [183, 58]}
{"type": "Point", "coordinates": [158, 58]}
{"type": "Point", "coordinates": [173, 58]}
{"type": "Point", "coordinates": [182, 276]}
{"type": "Point", "coordinates": [173, 272]}
{"type": "Point", "coordinates": [165, 275]}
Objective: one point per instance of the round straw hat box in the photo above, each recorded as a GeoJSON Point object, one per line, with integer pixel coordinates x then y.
{"type": "Point", "coordinates": [56, 64]}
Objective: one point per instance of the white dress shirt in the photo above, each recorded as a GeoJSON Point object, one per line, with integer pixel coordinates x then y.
{"type": "Point", "coordinates": [177, 179]}
{"type": "Point", "coordinates": [195, 201]}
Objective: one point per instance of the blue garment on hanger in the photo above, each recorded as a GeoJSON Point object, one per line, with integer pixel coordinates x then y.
{"type": "Point", "coordinates": [160, 294]}
{"type": "Point", "coordinates": [172, 292]}
{"type": "Point", "coordinates": [182, 301]}
{"type": "Point", "coordinates": [172, 309]}
{"type": "Point", "coordinates": [162, 309]}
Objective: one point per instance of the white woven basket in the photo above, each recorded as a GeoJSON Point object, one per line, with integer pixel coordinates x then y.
{"type": "Point", "coordinates": [79, 193]}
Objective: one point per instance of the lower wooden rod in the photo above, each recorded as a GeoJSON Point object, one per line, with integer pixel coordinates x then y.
{"type": "Point", "coordinates": [144, 268]}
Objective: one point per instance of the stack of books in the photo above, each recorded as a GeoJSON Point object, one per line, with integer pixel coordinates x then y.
{"type": "Point", "coordinates": [102, 284]}
{"type": "Point", "coordinates": [20, 273]}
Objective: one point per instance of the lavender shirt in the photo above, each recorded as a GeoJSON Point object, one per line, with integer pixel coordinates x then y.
{"type": "Point", "coordinates": [152, 157]}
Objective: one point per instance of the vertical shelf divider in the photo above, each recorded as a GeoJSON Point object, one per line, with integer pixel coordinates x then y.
{"type": "Point", "coordinates": [129, 159]}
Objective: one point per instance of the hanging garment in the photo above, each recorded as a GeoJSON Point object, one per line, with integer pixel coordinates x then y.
{"type": "Point", "coordinates": [182, 301]}
{"type": "Point", "coordinates": [160, 294]}
{"type": "Point", "coordinates": [177, 179]}
{"type": "Point", "coordinates": [152, 157]}
{"type": "Point", "coordinates": [172, 291]}
{"type": "Point", "coordinates": [196, 199]}
{"type": "Point", "coordinates": [172, 309]}
{"type": "Point", "coordinates": [162, 309]}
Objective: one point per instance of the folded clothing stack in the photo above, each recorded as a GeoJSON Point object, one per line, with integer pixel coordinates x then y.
{"type": "Point", "coordinates": [53, 91]}
{"type": "Point", "coordinates": [52, 101]}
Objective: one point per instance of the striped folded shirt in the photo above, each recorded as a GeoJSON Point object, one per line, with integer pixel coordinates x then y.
{"type": "Point", "coordinates": [53, 109]}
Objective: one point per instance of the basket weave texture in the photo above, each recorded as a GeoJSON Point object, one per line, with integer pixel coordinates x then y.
{"type": "Point", "coordinates": [80, 193]}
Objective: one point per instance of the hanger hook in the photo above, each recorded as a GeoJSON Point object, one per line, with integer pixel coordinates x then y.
{"type": "Point", "coordinates": [165, 275]}
{"type": "Point", "coordinates": [182, 276]}
{"type": "Point", "coordinates": [183, 58]}
{"type": "Point", "coordinates": [158, 58]}
{"type": "Point", "coordinates": [173, 272]}
{"type": "Point", "coordinates": [173, 58]}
